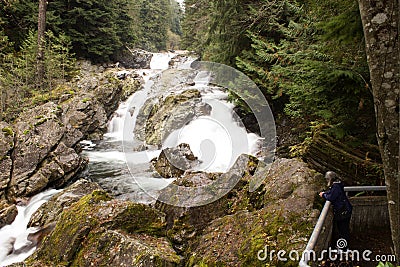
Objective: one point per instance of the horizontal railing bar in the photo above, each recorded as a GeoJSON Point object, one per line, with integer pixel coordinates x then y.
{"type": "Point", "coordinates": [364, 188]}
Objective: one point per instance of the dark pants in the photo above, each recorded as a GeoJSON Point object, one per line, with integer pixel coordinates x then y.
{"type": "Point", "coordinates": [341, 231]}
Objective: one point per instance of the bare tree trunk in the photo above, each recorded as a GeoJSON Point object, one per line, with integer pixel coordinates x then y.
{"type": "Point", "coordinates": [41, 42]}
{"type": "Point", "coordinates": [381, 21]}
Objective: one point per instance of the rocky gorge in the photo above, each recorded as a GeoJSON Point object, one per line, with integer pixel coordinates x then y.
{"type": "Point", "coordinates": [41, 149]}
{"type": "Point", "coordinates": [88, 226]}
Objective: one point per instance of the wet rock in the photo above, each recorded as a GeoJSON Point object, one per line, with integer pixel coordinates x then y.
{"type": "Point", "coordinates": [100, 230]}
{"type": "Point", "coordinates": [185, 224]}
{"type": "Point", "coordinates": [36, 136]}
{"type": "Point", "coordinates": [8, 212]}
{"type": "Point", "coordinates": [178, 60]}
{"type": "Point", "coordinates": [83, 115]}
{"type": "Point", "coordinates": [86, 115]}
{"type": "Point", "coordinates": [134, 58]}
{"type": "Point", "coordinates": [51, 210]}
{"type": "Point", "coordinates": [156, 121]}
{"type": "Point", "coordinates": [173, 162]}
{"type": "Point", "coordinates": [59, 167]}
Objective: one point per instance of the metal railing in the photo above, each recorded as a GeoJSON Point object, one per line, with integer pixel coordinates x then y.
{"type": "Point", "coordinates": [305, 258]}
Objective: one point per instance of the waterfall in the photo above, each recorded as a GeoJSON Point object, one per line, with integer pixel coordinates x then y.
{"type": "Point", "coordinates": [118, 167]}
{"type": "Point", "coordinates": [15, 236]}
{"type": "Point", "coordinates": [217, 140]}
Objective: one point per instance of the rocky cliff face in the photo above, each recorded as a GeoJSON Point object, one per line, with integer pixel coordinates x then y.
{"type": "Point", "coordinates": [40, 149]}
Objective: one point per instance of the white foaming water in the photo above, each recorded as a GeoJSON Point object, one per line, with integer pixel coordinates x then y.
{"type": "Point", "coordinates": [118, 128]}
{"type": "Point", "coordinates": [119, 156]}
{"type": "Point", "coordinates": [160, 61]}
{"type": "Point", "coordinates": [217, 140]}
{"type": "Point", "coordinates": [18, 231]}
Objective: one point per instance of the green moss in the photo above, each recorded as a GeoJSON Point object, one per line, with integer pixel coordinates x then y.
{"type": "Point", "coordinates": [73, 227]}
{"type": "Point", "coordinates": [139, 218]}
{"type": "Point", "coordinates": [41, 121]}
{"type": "Point", "coordinates": [27, 131]}
{"type": "Point", "coordinates": [193, 261]}
{"type": "Point", "coordinates": [8, 131]}
{"type": "Point", "coordinates": [86, 99]}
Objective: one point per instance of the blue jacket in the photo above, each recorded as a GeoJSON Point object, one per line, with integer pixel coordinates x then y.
{"type": "Point", "coordinates": [337, 197]}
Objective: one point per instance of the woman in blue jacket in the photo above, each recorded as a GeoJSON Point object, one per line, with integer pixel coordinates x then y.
{"type": "Point", "coordinates": [341, 208]}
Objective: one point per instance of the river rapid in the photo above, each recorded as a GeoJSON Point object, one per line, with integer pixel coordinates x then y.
{"type": "Point", "coordinates": [120, 163]}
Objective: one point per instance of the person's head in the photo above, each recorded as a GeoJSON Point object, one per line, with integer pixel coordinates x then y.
{"type": "Point", "coordinates": [331, 177]}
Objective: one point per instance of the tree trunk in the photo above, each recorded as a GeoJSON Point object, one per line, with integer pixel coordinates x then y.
{"type": "Point", "coordinates": [41, 42]}
{"type": "Point", "coordinates": [381, 21]}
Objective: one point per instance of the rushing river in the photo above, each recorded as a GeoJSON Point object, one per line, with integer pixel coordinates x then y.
{"type": "Point", "coordinates": [120, 165]}
{"type": "Point", "coordinates": [210, 138]}
{"type": "Point", "coordinates": [14, 237]}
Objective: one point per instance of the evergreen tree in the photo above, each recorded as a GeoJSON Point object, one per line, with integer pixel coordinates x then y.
{"type": "Point", "coordinates": [18, 72]}
{"type": "Point", "coordinates": [195, 25]}
{"type": "Point", "coordinates": [155, 21]}
{"type": "Point", "coordinates": [97, 28]}
{"type": "Point", "coordinates": [176, 17]}
{"type": "Point", "coordinates": [312, 67]}
{"type": "Point", "coordinates": [381, 29]}
{"type": "Point", "coordinates": [19, 18]}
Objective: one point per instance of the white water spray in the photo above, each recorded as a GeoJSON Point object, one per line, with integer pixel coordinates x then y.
{"type": "Point", "coordinates": [15, 235]}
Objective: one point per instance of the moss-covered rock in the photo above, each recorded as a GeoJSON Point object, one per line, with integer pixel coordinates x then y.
{"type": "Point", "coordinates": [284, 221]}
{"type": "Point", "coordinates": [108, 232]}
{"type": "Point", "coordinates": [51, 211]}
{"type": "Point", "coordinates": [185, 224]}
{"type": "Point", "coordinates": [173, 162]}
{"type": "Point", "coordinates": [157, 119]}
{"type": "Point", "coordinates": [113, 248]}
{"type": "Point", "coordinates": [235, 240]}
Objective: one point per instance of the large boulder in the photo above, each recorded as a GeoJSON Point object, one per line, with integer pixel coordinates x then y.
{"type": "Point", "coordinates": [173, 162]}
{"type": "Point", "coordinates": [38, 132]}
{"type": "Point", "coordinates": [50, 211]}
{"type": "Point", "coordinates": [58, 168]}
{"type": "Point", "coordinates": [158, 119]}
{"type": "Point", "coordinates": [134, 58]}
{"type": "Point", "coordinates": [101, 231]}
{"type": "Point", "coordinates": [185, 224]}
{"type": "Point", "coordinates": [83, 116]}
